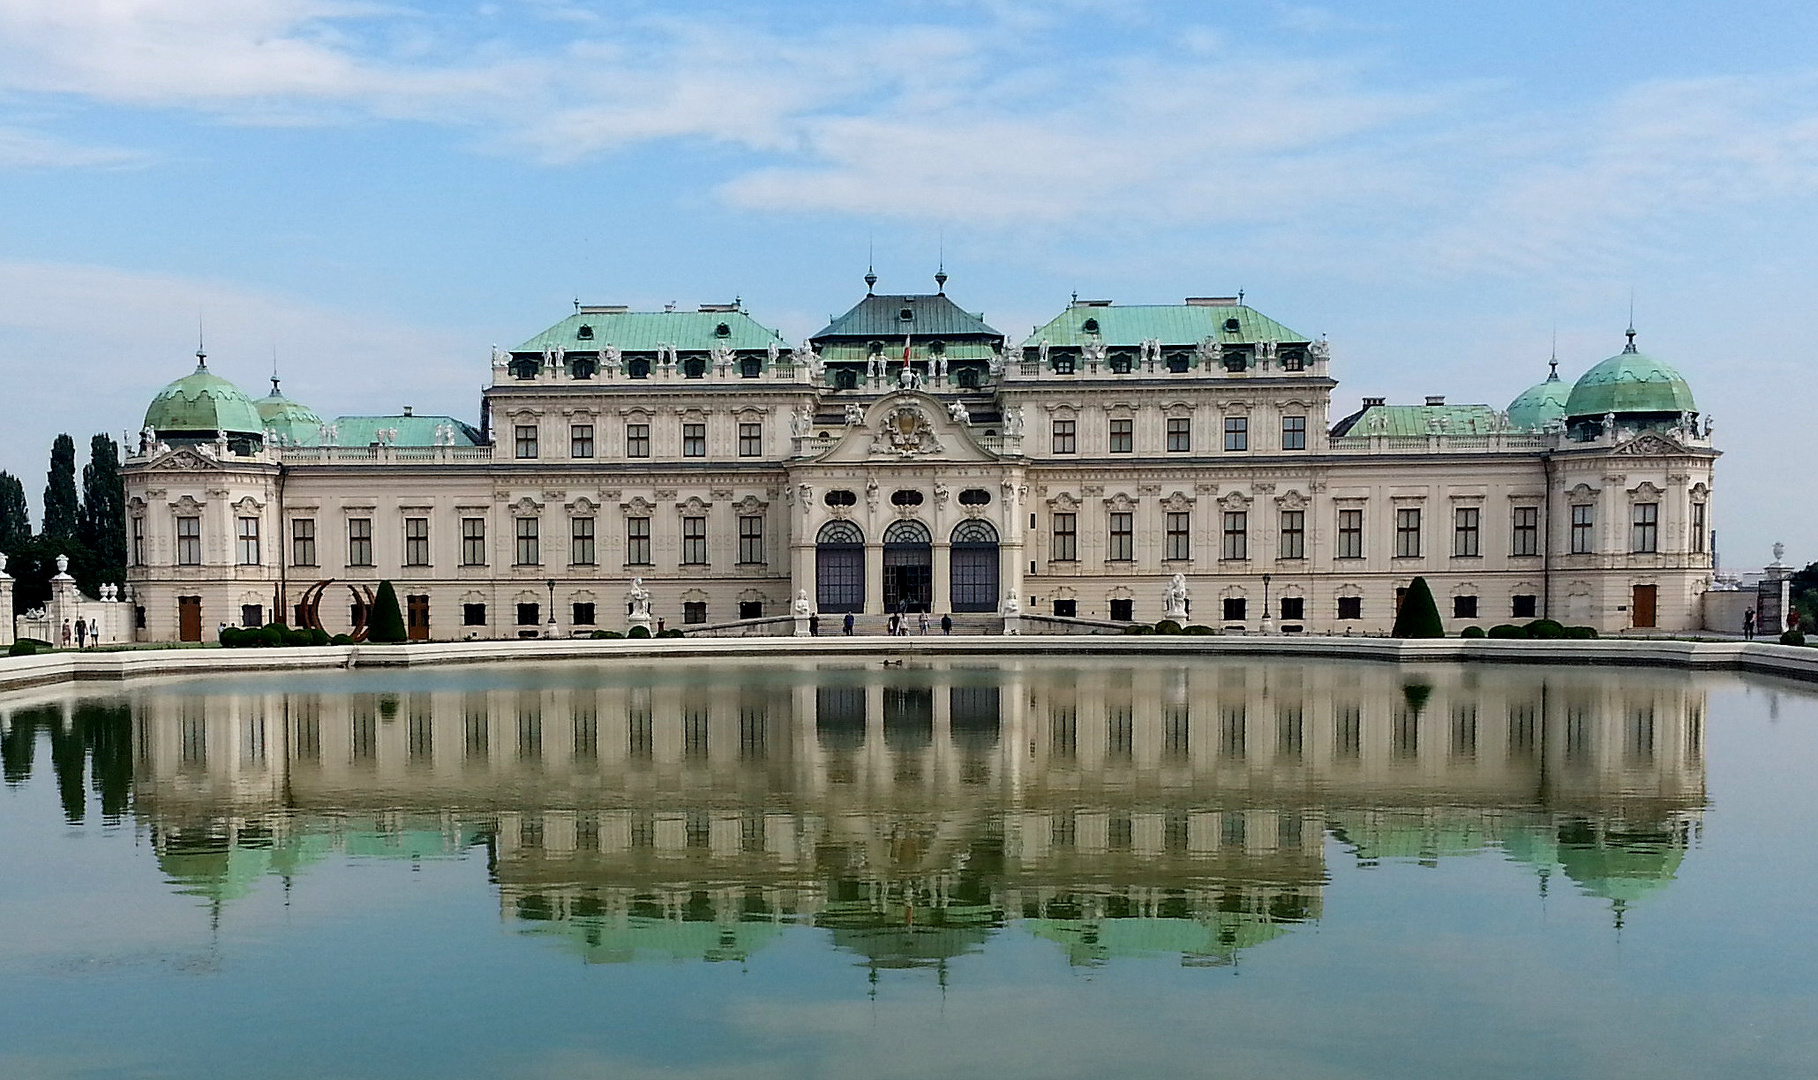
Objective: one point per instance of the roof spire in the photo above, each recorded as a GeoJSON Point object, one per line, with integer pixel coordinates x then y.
{"type": "Point", "coordinates": [274, 369]}
{"type": "Point", "coordinates": [940, 264]}
{"type": "Point", "coordinates": [1553, 364]}
{"type": "Point", "coordinates": [870, 266]}
{"type": "Point", "coordinates": [201, 354]}
{"type": "Point", "coordinates": [1630, 347]}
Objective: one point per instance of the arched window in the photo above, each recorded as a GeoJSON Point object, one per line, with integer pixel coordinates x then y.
{"type": "Point", "coordinates": [638, 368]}
{"type": "Point", "coordinates": [975, 531]}
{"type": "Point", "coordinates": [845, 379]}
{"type": "Point", "coordinates": [975, 497]}
{"type": "Point", "coordinates": [722, 330]}
{"type": "Point", "coordinates": [1120, 363]}
{"type": "Point", "coordinates": [907, 532]}
{"type": "Point", "coordinates": [1177, 363]}
{"type": "Point", "coordinates": [582, 367]}
{"type": "Point", "coordinates": [1236, 359]}
{"type": "Point", "coordinates": [906, 497]}
{"type": "Point", "coordinates": [524, 367]}
{"type": "Point", "coordinates": [839, 568]}
{"type": "Point", "coordinates": [840, 532]}
{"type": "Point", "coordinates": [1090, 326]}
{"type": "Point", "coordinates": [694, 368]}
{"type": "Point", "coordinates": [750, 367]}
{"type": "Point", "coordinates": [974, 566]}
{"type": "Point", "coordinates": [1293, 359]}
{"type": "Point", "coordinates": [968, 378]}
{"type": "Point", "coordinates": [840, 497]}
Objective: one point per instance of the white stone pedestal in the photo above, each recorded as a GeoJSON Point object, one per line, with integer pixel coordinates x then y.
{"type": "Point", "coordinates": [6, 605]}
{"type": "Point", "coordinates": [801, 625]}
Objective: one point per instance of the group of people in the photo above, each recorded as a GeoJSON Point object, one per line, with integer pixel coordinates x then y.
{"type": "Point", "coordinates": [81, 634]}
{"type": "Point", "coordinates": [898, 624]}
{"type": "Point", "coordinates": [1748, 623]}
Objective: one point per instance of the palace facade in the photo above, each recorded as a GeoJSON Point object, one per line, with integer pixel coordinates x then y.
{"type": "Point", "coordinates": [909, 457]}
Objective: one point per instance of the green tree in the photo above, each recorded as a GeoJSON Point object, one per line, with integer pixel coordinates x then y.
{"type": "Point", "coordinates": [1804, 590]}
{"type": "Point", "coordinates": [62, 513]}
{"type": "Point", "coordinates": [387, 626]}
{"type": "Point", "coordinates": [15, 514]}
{"type": "Point", "coordinates": [103, 523]}
{"type": "Point", "coordinates": [1419, 616]}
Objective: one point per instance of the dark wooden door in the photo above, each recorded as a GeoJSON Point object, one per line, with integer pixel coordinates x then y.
{"type": "Point", "coordinates": [416, 617]}
{"type": "Point", "coordinates": [189, 618]}
{"type": "Point", "coordinates": [1644, 606]}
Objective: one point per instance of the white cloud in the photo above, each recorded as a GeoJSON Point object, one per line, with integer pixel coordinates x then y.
{"type": "Point", "coordinates": [24, 149]}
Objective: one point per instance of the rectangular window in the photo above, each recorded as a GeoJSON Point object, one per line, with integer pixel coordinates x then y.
{"type": "Point", "coordinates": [751, 539]}
{"type": "Point", "coordinates": [473, 614]}
{"type": "Point", "coordinates": [1523, 606]}
{"type": "Point", "coordinates": [1466, 532]}
{"type": "Point", "coordinates": [138, 541]}
{"type": "Point", "coordinates": [189, 541]}
{"type": "Point", "coordinates": [580, 441]}
{"type": "Point", "coordinates": [1180, 434]}
{"type": "Point", "coordinates": [416, 541]}
{"type": "Point", "coordinates": [359, 541]}
{"type": "Point", "coordinates": [1066, 538]}
{"type": "Point", "coordinates": [1524, 530]}
{"type": "Point", "coordinates": [1350, 534]}
{"type": "Point", "coordinates": [1064, 437]}
{"type": "Point", "coordinates": [751, 609]}
{"type": "Point", "coordinates": [1180, 540]}
{"type": "Point", "coordinates": [529, 615]}
{"type": "Point", "coordinates": [694, 541]}
{"type": "Point", "coordinates": [1237, 433]}
{"type": "Point", "coordinates": [528, 553]}
{"type": "Point", "coordinates": [1237, 535]}
{"type": "Point", "coordinates": [1123, 537]}
{"type": "Point", "coordinates": [637, 440]}
{"type": "Point", "coordinates": [1407, 533]}
{"type": "Point", "coordinates": [1235, 607]}
{"type": "Point", "coordinates": [1293, 608]}
{"type": "Point", "coordinates": [694, 440]}
{"type": "Point", "coordinates": [527, 440]}
{"type": "Point", "coordinates": [694, 611]}
{"type": "Point", "coordinates": [252, 615]}
{"type": "Point", "coordinates": [1583, 541]}
{"type": "Point", "coordinates": [1293, 433]}
{"type": "Point", "coordinates": [580, 541]}
{"type": "Point", "coordinates": [246, 541]}
{"type": "Point", "coordinates": [1350, 607]}
{"type": "Point", "coordinates": [637, 541]}
{"type": "Point", "coordinates": [1123, 436]}
{"type": "Point", "coordinates": [1698, 528]}
{"type": "Point", "coordinates": [303, 542]}
{"type": "Point", "coordinates": [751, 440]}
{"type": "Point", "coordinates": [473, 541]}
{"type": "Point", "coordinates": [583, 614]}
{"type": "Point", "coordinates": [1293, 534]}
{"type": "Point", "coordinates": [1123, 610]}
{"type": "Point", "coordinates": [1646, 538]}
{"type": "Point", "coordinates": [1464, 607]}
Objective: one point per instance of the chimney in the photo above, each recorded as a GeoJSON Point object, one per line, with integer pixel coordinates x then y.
{"type": "Point", "coordinates": [1435, 400]}
{"type": "Point", "coordinates": [1373, 402]}
{"type": "Point", "coordinates": [407, 410]}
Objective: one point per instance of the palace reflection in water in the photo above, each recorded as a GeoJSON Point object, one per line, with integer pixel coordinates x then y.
{"type": "Point", "coordinates": [909, 812]}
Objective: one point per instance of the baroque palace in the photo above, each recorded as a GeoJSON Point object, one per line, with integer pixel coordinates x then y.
{"type": "Point", "coordinates": [909, 457]}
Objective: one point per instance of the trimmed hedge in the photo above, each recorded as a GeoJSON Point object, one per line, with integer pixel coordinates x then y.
{"type": "Point", "coordinates": [1419, 615]}
{"type": "Point", "coordinates": [1196, 629]}
{"type": "Point", "coordinates": [1793, 637]}
{"type": "Point", "coordinates": [638, 632]}
{"type": "Point", "coordinates": [1167, 626]}
{"type": "Point", "coordinates": [1471, 632]}
{"type": "Point", "coordinates": [600, 634]}
{"type": "Point", "coordinates": [23, 647]}
{"type": "Point", "coordinates": [1545, 630]}
{"type": "Point", "coordinates": [387, 625]}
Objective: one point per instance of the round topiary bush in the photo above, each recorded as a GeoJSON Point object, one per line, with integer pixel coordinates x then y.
{"type": "Point", "coordinates": [638, 632]}
{"type": "Point", "coordinates": [230, 637]}
{"type": "Point", "coordinates": [599, 635]}
{"type": "Point", "coordinates": [1545, 630]}
{"type": "Point", "coordinates": [1471, 632]}
{"type": "Point", "coordinates": [1139, 628]}
{"type": "Point", "coordinates": [1793, 637]}
{"type": "Point", "coordinates": [22, 647]}
{"type": "Point", "coordinates": [1580, 633]}
{"type": "Point", "coordinates": [319, 636]}
{"type": "Point", "coordinates": [297, 636]}
{"type": "Point", "coordinates": [1167, 626]}
{"type": "Point", "coordinates": [1507, 631]}
{"type": "Point", "coordinates": [341, 639]}
{"type": "Point", "coordinates": [1196, 628]}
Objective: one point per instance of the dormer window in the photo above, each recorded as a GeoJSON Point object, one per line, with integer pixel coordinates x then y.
{"type": "Point", "coordinates": [638, 368]}
{"type": "Point", "coordinates": [906, 314]}
{"type": "Point", "coordinates": [694, 368]}
{"type": "Point", "coordinates": [585, 333]}
{"type": "Point", "coordinates": [1063, 364]}
{"type": "Point", "coordinates": [1090, 326]}
{"type": "Point", "coordinates": [1120, 363]}
{"type": "Point", "coordinates": [1293, 360]}
{"type": "Point", "coordinates": [749, 367]}
{"type": "Point", "coordinates": [1231, 326]}
{"type": "Point", "coordinates": [722, 330]}
{"type": "Point", "coordinates": [1177, 363]}
{"type": "Point", "coordinates": [875, 347]}
{"type": "Point", "coordinates": [937, 347]}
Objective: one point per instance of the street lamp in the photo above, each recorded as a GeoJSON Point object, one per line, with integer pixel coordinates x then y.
{"type": "Point", "coordinates": [1265, 614]}
{"type": "Point", "coordinates": [552, 619]}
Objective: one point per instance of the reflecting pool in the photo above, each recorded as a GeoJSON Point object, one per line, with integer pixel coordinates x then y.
{"type": "Point", "coordinates": [1044, 868]}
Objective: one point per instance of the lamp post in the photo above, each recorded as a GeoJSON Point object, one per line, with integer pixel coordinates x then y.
{"type": "Point", "coordinates": [551, 632]}
{"type": "Point", "coordinates": [1265, 613]}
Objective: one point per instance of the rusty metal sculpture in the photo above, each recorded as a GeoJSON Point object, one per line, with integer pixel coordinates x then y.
{"type": "Point", "coordinates": [312, 598]}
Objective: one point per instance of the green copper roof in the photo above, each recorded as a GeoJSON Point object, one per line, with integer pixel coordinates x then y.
{"type": "Point", "coordinates": [202, 403]}
{"type": "Point", "coordinates": [1540, 404]}
{"type": "Point", "coordinates": [1630, 382]}
{"type": "Point", "coordinates": [643, 331]}
{"type": "Point", "coordinates": [1171, 324]}
{"type": "Point", "coordinates": [930, 316]}
{"type": "Point", "coordinates": [412, 430]}
{"type": "Point", "coordinates": [1421, 420]}
{"type": "Point", "coordinates": [293, 424]}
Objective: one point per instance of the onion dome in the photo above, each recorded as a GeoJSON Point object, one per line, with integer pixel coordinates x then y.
{"type": "Point", "coordinates": [289, 423]}
{"type": "Point", "coordinates": [1541, 404]}
{"type": "Point", "coordinates": [1630, 384]}
{"type": "Point", "coordinates": [200, 404]}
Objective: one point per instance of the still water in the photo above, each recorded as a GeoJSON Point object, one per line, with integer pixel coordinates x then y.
{"type": "Point", "coordinates": [1020, 869]}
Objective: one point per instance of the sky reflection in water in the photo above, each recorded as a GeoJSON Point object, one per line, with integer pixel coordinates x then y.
{"type": "Point", "coordinates": [1069, 868]}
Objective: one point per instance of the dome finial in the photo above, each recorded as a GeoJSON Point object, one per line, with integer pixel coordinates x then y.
{"type": "Point", "coordinates": [201, 353]}
{"type": "Point", "coordinates": [870, 266]}
{"type": "Point", "coordinates": [1553, 364]}
{"type": "Point", "coordinates": [1630, 347]}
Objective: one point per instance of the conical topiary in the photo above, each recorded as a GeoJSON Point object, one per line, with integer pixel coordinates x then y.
{"type": "Point", "coordinates": [387, 626]}
{"type": "Point", "coordinates": [1419, 616]}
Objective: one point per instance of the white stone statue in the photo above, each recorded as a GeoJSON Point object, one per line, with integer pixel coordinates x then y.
{"type": "Point", "coordinates": [1013, 421]}
{"type": "Point", "coordinates": [770, 354]}
{"type": "Point", "coordinates": [940, 493]}
{"type": "Point", "coordinates": [801, 422]}
{"type": "Point", "coordinates": [220, 443]}
{"type": "Point", "coordinates": [148, 439]}
{"type": "Point", "coordinates": [63, 566]}
{"type": "Point", "coordinates": [1093, 352]}
{"type": "Point", "coordinates": [721, 355]}
{"type": "Point", "coordinates": [855, 416]}
{"type": "Point", "coordinates": [500, 359]}
{"type": "Point", "coordinates": [1174, 598]}
{"type": "Point", "coordinates": [1012, 605]}
{"type": "Point", "coordinates": [938, 363]}
{"type": "Point", "coordinates": [957, 410]}
{"type": "Point", "coordinates": [807, 494]}
{"type": "Point", "coordinates": [1708, 424]}
{"type": "Point", "coordinates": [874, 366]}
{"type": "Point", "coordinates": [1609, 425]}
{"type": "Point", "coordinates": [802, 607]}
{"type": "Point", "coordinates": [2, 564]}
{"type": "Point", "coordinates": [1042, 352]}
{"type": "Point", "coordinates": [610, 359]}
{"type": "Point", "coordinates": [908, 378]}
{"type": "Point", "coordinates": [805, 357]}
{"type": "Point", "coordinates": [640, 601]}
{"type": "Point", "coordinates": [1322, 350]}
{"type": "Point", "coordinates": [871, 493]}
{"type": "Point", "coordinates": [1779, 554]}
{"type": "Point", "coordinates": [1209, 352]}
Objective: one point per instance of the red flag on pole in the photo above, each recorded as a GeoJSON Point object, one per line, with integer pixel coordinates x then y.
{"type": "Point", "coordinates": [907, 338]}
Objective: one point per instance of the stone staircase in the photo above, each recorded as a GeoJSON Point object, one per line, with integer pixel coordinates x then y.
{"type": "Point", "coordinates": [879, 625]}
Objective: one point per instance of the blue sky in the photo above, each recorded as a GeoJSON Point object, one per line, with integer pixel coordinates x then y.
{"type": "Point", "coordinates": [379, 191]}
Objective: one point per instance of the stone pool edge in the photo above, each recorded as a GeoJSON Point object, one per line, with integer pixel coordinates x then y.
{"type": "Point", "coordinates": [1764, 658]}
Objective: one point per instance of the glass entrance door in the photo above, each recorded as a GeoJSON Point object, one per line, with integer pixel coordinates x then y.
{"type": "Point", "coordinates": [908, 567]}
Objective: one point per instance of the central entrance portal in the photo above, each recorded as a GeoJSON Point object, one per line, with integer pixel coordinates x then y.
{"type": "Point", "coordinates": [908, 567]}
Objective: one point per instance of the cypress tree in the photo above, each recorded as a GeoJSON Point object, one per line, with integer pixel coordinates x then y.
{"type": "Point", "coordinates": [61, 511]}
{"type": "Point", "coordinates": [1419, 616]}
{"type": "Point", "coordinates": [15, 515]}
{"type": "Point", "coordinates": [104, 510]}
{"type": "Point", "coordinates": [387, 625]}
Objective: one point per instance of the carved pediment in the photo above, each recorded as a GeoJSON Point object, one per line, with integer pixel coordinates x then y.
{"type": "Point", "coordinates": [904, 426]}
{"type": "Point", "coordinates": [638, 506]}
{"type": "Point", "coordinates": [526, 505]}
{"type": "Point", "coordinates": [583, 506]}
{"type": "Point", "coordinates": [1064, 502]}
{"type": "Point", "coordinates": [189, 460]}
{"type": "Point", "coordinates": [1179, 502]}
{"type": "Point", "coordinates": [906, 431]}
{"type": "Point", "coordinates": [1291, 500]}
{"type": "Point", "coordinates": [750, 505]}
{"type": "Point", "coordinates": [1121, 501]}
{"type": "Point", "coordinates": [694, 505]}
{"type": "Point", "coordinates": [1649, 445]}
{"type": "Point", "coordinates": [1234, 500]}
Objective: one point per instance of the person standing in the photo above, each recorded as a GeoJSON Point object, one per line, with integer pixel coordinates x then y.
{"type": "Point", "coordinates": [81, 633]}
{"type": "Point", "coordinates": [66, 633]}
{"type": "Point", "coordinates": [814, 625]}
{"type": "Point", "coordinates": [921, 623]}
{"type": "Point", "coordinates": [1748, 625]}
{"type": "Point", "coordinates": [946, 624]}
{"type": "Point", "coordinates": [849, 621]}
{"type": "Point", "coordinates": [94, 633]}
